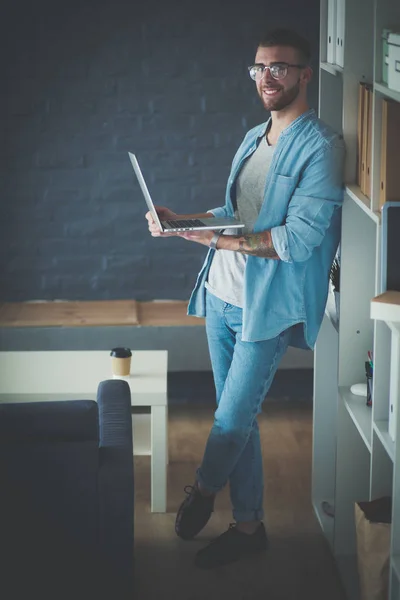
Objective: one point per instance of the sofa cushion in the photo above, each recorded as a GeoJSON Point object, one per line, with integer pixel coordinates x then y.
{"type": "Point", "coordinates": [49, 509]}
{"type": "Point", "coordinates": [70, 420]}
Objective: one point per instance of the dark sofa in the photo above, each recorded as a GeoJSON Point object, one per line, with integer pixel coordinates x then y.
{"type": "Point", "coordinates": [67, 498]}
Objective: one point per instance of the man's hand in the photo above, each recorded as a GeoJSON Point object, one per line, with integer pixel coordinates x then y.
{"type": "Point", "coordinates": [164, 214]}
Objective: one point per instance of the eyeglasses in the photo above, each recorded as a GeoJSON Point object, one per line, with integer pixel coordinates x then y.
{"type": "Point", "coordinates": [277, 70]}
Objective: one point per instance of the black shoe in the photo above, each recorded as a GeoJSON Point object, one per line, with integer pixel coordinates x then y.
{"type": "Point", "coordinates": [193, 513]}
{"type": "Point", "coordinates": [230, 546]}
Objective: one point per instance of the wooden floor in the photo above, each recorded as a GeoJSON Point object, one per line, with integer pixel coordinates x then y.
{"type": "Point", "coordinates": [298, 564]}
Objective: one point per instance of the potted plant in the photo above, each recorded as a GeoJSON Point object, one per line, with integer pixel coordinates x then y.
{"type": "Point", "coordinates": [335, 279]}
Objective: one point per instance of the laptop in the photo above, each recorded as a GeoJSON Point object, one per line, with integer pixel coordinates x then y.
{"type": "Point", "coordinates": [390, 247]}
{"type": "Point", "coordinates": [213, 223]}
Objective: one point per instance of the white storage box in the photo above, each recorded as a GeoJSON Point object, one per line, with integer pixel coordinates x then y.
{"type": "Point", "coordinates": [394, 61]}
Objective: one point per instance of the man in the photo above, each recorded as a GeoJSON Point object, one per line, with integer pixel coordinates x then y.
{"type": "Point", "coordinates": [264, 289]}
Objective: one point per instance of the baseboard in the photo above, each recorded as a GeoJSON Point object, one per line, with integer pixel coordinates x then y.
{"type": "Point", "coordinates": [197, 387]}
{"type": "Point", "coordinates": [187, 346]}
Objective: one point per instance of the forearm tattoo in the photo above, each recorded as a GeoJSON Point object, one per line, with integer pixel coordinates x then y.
{"type": "Point", "coordinates": [258, 244]}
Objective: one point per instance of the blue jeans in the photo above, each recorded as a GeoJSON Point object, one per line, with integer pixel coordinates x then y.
{"type": "Point", "coordinates": [243, 373]}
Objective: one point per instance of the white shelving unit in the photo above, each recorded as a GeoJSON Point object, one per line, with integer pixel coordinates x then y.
{"type": "Point", "coordinates": [354, 455]}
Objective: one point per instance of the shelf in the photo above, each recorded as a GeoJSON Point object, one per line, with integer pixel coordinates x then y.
{"type": "Point", "coordinates": [355, 457]}
{"type": "Point", "coordinates": [359, 412]}
{"type": "Point", "coordinates": [326, 522]}
{"type": "Point", "coordinates": [362, 201]}
{"type": "Point", "coordinates": [331, 68]}
{"type": "Point", "coordinates": [386, 307]}
{"type": "Point", "coordinates": [386, 91]}
{"type": "Point", "coordinates": [381, 428]}
{"type": "Point", "coordinates": [396, 566]}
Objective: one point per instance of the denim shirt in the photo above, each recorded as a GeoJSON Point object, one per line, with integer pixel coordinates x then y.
{"type": "Point", "coordinates": [302, 208]}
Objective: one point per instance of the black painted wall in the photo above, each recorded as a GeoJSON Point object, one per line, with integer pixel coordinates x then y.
{"type": "Point", "coordinates": [84, 82]}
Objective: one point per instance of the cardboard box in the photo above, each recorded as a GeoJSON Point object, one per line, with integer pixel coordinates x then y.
{"type": "Point", "coordinates": [394, 61]}
{"type": "Point", "coordinates": [385, 55]}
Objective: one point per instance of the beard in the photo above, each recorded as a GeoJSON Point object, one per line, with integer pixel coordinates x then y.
{"type": "Point", "coordinates": [283, 100]}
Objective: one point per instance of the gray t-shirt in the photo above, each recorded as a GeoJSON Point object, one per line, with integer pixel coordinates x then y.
{"type": "Point", "coordinates": [226, 275]}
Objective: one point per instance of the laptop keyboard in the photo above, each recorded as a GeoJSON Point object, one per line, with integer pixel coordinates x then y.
{"type": "Point", "coordinates": [186, 223]}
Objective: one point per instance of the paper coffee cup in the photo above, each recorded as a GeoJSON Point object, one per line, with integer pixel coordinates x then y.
{"type": "Point", "coordinates": [121, 361]}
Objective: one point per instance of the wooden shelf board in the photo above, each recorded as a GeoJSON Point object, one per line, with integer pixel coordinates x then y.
{"type": "Point", "coordinates": [386, 307]}
{"type": "Point", "coordinates": [104, 313]}
{"type": "Point", "coordinates": [69, 314]}
{"type": "Point", "coordinates": [165, 313]}
{"type": "Point", "coordinates": [389, 297]}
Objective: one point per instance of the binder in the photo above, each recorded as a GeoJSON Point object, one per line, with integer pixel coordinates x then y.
{"type": "Point", "coordinates": [394, 61]}
{"type": "Point", "coordinates": [390, 153]}
{"type": "Point", "coordinates": [360, 131]}
{"type": "Point", "coordinates": [368, 166]}
{"type": "Point", "coordinates": [331, 32]}
{"type": "Point", "coordinates": [385, 55]}
{"type": "Point", "coordinates": [340, 28]}
{"type": "Point", "coordinates": [366, 142]}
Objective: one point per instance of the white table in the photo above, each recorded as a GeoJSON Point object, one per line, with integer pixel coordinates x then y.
{"type": "Point", "coordinates": [70, 375]}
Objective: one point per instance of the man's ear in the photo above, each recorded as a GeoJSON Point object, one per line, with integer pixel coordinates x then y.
{"type": "Point", "coordinates": [307, 74]}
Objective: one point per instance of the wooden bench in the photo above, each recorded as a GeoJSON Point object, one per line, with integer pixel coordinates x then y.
{"type": "Point", "coordinates": [102, 313]}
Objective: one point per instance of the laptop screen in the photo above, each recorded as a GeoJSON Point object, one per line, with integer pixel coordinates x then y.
{"type": "Point", "coordinates": [146, 193]}
{"type": "Point", "coordinates": [390, 250]}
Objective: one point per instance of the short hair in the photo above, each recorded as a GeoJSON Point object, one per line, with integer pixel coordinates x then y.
{"type": "Point", "coordinates": [287, 37]}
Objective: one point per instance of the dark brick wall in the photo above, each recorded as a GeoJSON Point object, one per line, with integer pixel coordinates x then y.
{"type": "Point", "coordinates": [84, 82]}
